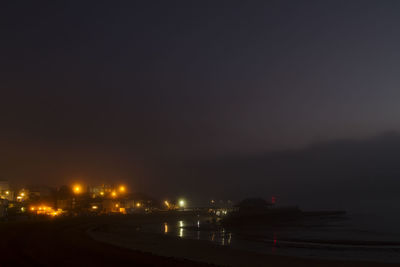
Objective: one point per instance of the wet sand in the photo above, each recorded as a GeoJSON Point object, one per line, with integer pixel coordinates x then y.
{"type": "Point", "coordinates": [114, 241]}
{"type": "Point", "coordinates": [125, 234]}
{"type": "Point", "coordinates": [64, 242]}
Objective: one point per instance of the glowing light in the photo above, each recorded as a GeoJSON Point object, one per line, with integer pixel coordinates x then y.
{"type": "Point", "coordinates": [102, 193]}
{"type": "Point", "coordinates": [22, 194]}
{"type": "Point", "coordinates": [116, 205]}
{"type": "Point", "coordinates": [138, 204]}
{"type": "Point", "coordinates": [182, 203]}
{"type": "Point", "coordinates": [166, 203]}
{"type": "Point", "coordinates": [32, 208]}
{"type": "Point", "coordinates": [77, 189]}
{"type": "Point", "coordinates": [114, 194]}
{"type": "Point", "coordinates": [165, 228]}
{"type": "Point", "coordinates": [7, 192]}
{"type": "Point", "coordinates": [181, 232]}
{"type": "Point", "coordinates": [22, 209]}
{"type": "Point", "coordinates": [122, 189]}
{"type": "Point", "coordinates": [94, 207]}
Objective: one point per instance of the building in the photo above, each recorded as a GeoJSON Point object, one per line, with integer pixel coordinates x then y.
{"type": "Point", "coordinates": [5, 191]}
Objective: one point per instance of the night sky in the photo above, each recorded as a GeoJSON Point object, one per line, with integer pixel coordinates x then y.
{"type": "Point", "coordinates": [202, 98]}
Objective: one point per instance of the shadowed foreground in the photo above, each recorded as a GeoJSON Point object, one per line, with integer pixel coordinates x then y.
{"type": "Point", "coordinates": [65, 242]}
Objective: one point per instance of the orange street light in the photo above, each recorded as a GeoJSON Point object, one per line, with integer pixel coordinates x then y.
{"type": "Point", "coordinates": [77, 189]}
{"type": "Point", "coordinates": [122, 189]}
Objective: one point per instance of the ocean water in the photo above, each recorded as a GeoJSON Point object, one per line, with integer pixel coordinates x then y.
{"type": "Point", "coordinates": [357, 236]}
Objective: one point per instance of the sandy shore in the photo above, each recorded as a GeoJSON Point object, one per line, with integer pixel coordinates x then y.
{"type": "Point", "coordinates": [64, 242]}
{"type": "Point", "coordinates": [114, 241]}
{"type": "Point", "coordinates": [124, 233]}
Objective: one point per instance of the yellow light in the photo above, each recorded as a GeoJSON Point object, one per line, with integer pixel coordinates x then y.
{"type": "Point", "coordinates": [102, 193]}
{"type": "Point", "coordinates": [40, 208]}
{"type": "Point", "coordinates": [182, 203]}
{"type": "Point", "coordinates": [32, 208]}
{"type": "Point", "coordinates": [138, 205]}
{"type": "Point", "coordinates": [116, 205]}
{"type": "Point", "coordinates": [114, 194]}
{"type": "Point", "coordinates": [122, 188]}
{"type": "Point", "coordinates": [22, 209]}
{"type": "Point", "coordinates": [94, 207]}
{"type": "Point", "coordinates": [7, 192]}
{"type": "Point", "coordinates": [22, 194]}
{"type": "Point", "coordinates": [166, 203]}
{"type": "Point", "coordinates": [77, 189]}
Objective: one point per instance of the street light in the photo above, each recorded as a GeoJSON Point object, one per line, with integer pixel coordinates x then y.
{"type": "Point", "coordinates": [77, 189]}
{"type": "Point", "coordinates": [122, 189]}
{"type": "Point", "coordinates": [182, 203]}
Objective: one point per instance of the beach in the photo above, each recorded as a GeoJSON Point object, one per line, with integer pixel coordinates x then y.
{"type": "Point", "coordinates": [128, 233]}
{"type": "Point", "coordinates": [118, 241]}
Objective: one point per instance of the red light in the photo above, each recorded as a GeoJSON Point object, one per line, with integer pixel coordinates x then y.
{"type": "Point", "coordinates": [273, 200]}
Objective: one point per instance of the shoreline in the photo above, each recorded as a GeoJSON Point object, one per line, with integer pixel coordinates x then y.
{"type": "Point", "coordinates": [124, 234]}
{"type": "Point", "coordinates": [114, 241]}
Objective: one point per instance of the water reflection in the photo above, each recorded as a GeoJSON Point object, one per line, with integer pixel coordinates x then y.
{"type": "Point", "coordinates": [274, 243]}
{"type": "Point", "coordinates": [192, 230]}
{"type": "Point", "coordinates": [181, 232]}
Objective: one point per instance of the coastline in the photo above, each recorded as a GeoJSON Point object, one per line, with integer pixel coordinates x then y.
{"type": "Point", "coordinates": [125, 234]}
{"type": "Point", "coordinates": [114, 241]}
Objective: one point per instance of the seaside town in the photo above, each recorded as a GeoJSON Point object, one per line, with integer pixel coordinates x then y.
{"type": "Point", "coordinates": [77, 199]}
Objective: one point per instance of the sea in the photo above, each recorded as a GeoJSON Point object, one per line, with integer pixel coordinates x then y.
{"type": "Point", "coordinates": [360, 236]}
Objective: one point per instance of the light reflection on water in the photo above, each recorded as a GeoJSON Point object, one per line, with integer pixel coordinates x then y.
{"type": "Point", "coordinates": [275, 242]}
{"type": "Point", "coordinates": [193, 230]}
{"type": "Point", "coordinates": [181, 232]}
{"type": "Point", "coordinates": [200, 231]}
{"type": "Point", "coordinates": [165, 228]}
